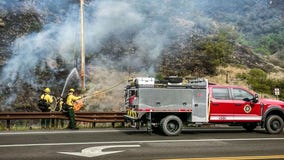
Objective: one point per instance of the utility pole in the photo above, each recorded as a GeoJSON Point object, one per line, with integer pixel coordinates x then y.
{"type": "Point", "coordinates": [131, 51]}
{"type": "Point", "coordinates": [82, 45]}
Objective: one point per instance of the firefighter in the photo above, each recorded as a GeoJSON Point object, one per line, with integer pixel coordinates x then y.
{"type": "Point", "coordinates": [131, 111]}
{"type": "Point", "coordinates": [59, 108]}
{"type": "Point", "coordinates": [71, 98]}
{"type": "Point", "coordinates": [132, 98]}
{"type": "Point", "coordinates": [59, 104]}
{"type": "Point", "coordinates": [44, 104]}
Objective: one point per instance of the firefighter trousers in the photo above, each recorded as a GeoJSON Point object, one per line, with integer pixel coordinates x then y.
{"type": "Point", "coordinates": [72, 121]}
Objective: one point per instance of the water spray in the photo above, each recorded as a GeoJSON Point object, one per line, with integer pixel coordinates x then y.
{"type": "Point", "coordinates": [73, 71]}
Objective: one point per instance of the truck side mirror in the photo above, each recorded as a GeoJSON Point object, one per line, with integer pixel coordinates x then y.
{"type": "Point", "coordinates": [255, 98]}
{"type": "Point", "coordinates": [246, 99]}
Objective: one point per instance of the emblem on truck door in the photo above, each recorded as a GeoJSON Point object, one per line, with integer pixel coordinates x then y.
{"type": "Point", "coordinates": [247, 108]}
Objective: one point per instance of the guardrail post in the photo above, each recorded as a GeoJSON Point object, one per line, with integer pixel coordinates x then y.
{"type": "Point", "coordinates": [8, 125]}
{"type": "Point", "coordinates": [52, 122]}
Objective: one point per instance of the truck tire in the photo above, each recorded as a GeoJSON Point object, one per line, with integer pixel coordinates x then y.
{"type": "Point", "coordinates": [171, 125]}
{"type": "Point", "coordinates": [249, 126]}
{"type": "Point", "coordinates": [274, 124]}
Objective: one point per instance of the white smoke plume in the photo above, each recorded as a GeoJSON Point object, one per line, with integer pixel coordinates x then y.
{"type": "Point", "coordinates": [152, 25]}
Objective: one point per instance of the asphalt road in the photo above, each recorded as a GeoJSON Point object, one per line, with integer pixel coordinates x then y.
{"type": "Point", "coordinates": [121, 144]}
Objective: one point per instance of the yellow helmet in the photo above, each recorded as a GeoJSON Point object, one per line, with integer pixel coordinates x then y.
{"type": "Point", "coordinates": [71, 90]}
{"type": "Point", "coordinates": [46, 90]}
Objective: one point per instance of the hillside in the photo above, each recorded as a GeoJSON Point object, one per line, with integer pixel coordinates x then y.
{"type": "Point", "coordinates": [40, 45]}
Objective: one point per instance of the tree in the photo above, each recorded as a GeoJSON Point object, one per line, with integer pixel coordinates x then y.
{"type": "Point", "coordinates": [201, 56]}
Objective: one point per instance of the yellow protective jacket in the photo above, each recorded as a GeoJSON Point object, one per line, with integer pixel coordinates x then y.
{"type": "Point", "coordinates": [47, 97]}
{"type": "Point", "coordinates": [71, 99]}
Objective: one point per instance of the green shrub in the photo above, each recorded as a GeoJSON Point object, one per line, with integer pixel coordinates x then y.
{"type": "Point", "coordinates": [257, 79]}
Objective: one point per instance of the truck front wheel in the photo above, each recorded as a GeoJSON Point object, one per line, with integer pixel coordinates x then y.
{"type": "Point", "coordinates": [274, 124]}
{"type": "Point", "coordinates": [171, 125]}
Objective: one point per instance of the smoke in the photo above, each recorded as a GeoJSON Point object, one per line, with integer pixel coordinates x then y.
{"type": "Point", "coordinates": [145, 26]}
{"type": "Point", "coordinates": [148, 26]}
{"type": "Point", "coordinates": [152, 25]}
{"type": "Point", "coordinates": [101, 21]}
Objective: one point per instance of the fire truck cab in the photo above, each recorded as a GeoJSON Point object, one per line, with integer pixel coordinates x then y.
{"type": "Point", "coordinates": [168, 106]}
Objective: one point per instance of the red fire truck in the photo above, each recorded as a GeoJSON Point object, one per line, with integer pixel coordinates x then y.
{"type": "Point", "coordinates": [168, 106]}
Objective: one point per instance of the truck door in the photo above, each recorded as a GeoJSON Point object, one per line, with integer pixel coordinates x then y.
{"type": "Point", "coordinates": [221, 105]}
{"type": "Point", "coordinates": [245, 111]}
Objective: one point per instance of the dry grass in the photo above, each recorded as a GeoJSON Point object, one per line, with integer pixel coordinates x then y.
{"type": "Point", "coordinates": [276, 75]}
{"type": "Point", "coordinates": [105, 90]}
{"type": "Point", "coordinates": [228, 76]}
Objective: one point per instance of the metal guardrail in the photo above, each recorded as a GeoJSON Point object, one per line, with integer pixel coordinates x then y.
{"type": "Point", "coordinates": [91, 117]}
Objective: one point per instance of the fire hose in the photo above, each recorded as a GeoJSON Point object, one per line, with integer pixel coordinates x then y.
{"type": "Point", "coordinates": [103, 91]}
